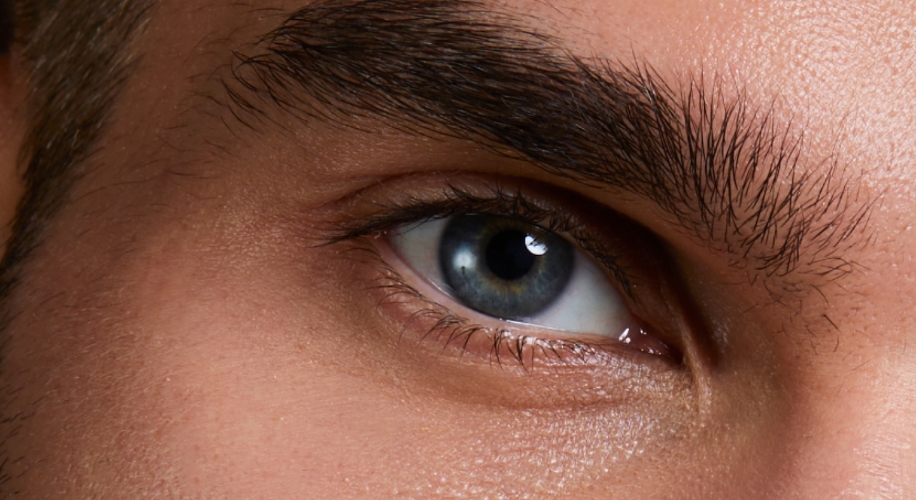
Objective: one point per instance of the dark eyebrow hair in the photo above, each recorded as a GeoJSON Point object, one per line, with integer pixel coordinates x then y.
{"type": "Point", "coordinates": [728, 173]}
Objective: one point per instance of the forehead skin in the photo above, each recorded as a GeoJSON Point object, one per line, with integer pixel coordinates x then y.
{"type": "Point", "coordinates": [177, 338]}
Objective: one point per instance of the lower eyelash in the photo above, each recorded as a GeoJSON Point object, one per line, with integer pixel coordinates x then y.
{"type": "Point", "coordinates": [452, 331]}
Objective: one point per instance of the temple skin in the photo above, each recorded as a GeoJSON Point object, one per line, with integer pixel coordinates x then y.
{"type": "Point", "coordinates": [180, 334]}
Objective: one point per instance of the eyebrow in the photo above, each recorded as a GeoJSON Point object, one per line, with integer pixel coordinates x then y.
{"type": "Point", "coordinates": [725, 171]}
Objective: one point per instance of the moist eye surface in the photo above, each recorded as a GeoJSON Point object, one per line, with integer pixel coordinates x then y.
{"type": "Point", "coordinates": [502, 266]}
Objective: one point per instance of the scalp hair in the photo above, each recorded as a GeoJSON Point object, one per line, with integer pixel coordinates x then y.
{"type": "Point", "coordinates": [73, 56]}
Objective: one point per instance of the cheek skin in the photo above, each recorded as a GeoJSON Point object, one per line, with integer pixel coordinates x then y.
{"type": "Point", "coordinates": [217, 369]}
{"type": "Point", "coordinates": [271, 394]}
{"type": "Point", "coordinates": [215, 357]}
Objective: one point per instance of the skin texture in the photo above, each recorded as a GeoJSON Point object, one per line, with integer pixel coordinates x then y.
{"type": "Point", "coordinates": [180, 333]}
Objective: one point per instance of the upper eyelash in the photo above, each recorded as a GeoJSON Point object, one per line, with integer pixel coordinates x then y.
{"type": "Point", "coordinates": [456, 201]}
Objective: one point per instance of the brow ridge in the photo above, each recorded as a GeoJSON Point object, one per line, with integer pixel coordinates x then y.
{"type": "Point", "coordinates": [725, 171]}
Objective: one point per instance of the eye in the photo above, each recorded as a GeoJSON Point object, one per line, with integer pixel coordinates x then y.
{"type": "Point", "coordinates": [520, 274]}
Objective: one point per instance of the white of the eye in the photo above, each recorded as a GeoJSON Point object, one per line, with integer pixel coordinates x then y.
{"type": "Point", "coordinates": [418, 245]}
{"type": "Point", "coordinates": [588, 304]}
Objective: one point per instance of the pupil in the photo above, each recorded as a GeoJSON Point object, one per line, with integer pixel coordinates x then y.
{"type": "Point", "coordinates": [508, 256]}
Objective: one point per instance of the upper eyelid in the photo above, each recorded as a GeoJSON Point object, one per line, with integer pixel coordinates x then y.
{"type": "Point", "coordinates": [454, 200]}
{"type": "Point", "coordinates": [500, 201]}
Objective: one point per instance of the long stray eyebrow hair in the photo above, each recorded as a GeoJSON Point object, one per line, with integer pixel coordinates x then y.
{"type": "Point", "coordinates": [726, 172]}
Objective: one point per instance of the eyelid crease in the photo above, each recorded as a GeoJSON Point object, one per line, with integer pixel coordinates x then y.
{"type": "Point", "coordinates": [453, 200]}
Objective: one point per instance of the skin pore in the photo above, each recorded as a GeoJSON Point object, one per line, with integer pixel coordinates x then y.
{"type": "Point", "coordinates": [216, 311]}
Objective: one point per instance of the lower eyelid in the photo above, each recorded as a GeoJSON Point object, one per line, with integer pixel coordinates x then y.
{"type": "Point", "coordinates": [393, 337]}
{"type": "Point", "coordinates": [418, 346]}
{"type": "Point", "coordinates": [492, 339]}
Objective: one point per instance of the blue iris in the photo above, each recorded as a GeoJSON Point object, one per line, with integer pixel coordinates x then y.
{"type": "Point", "coordinates": [504, 267]}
